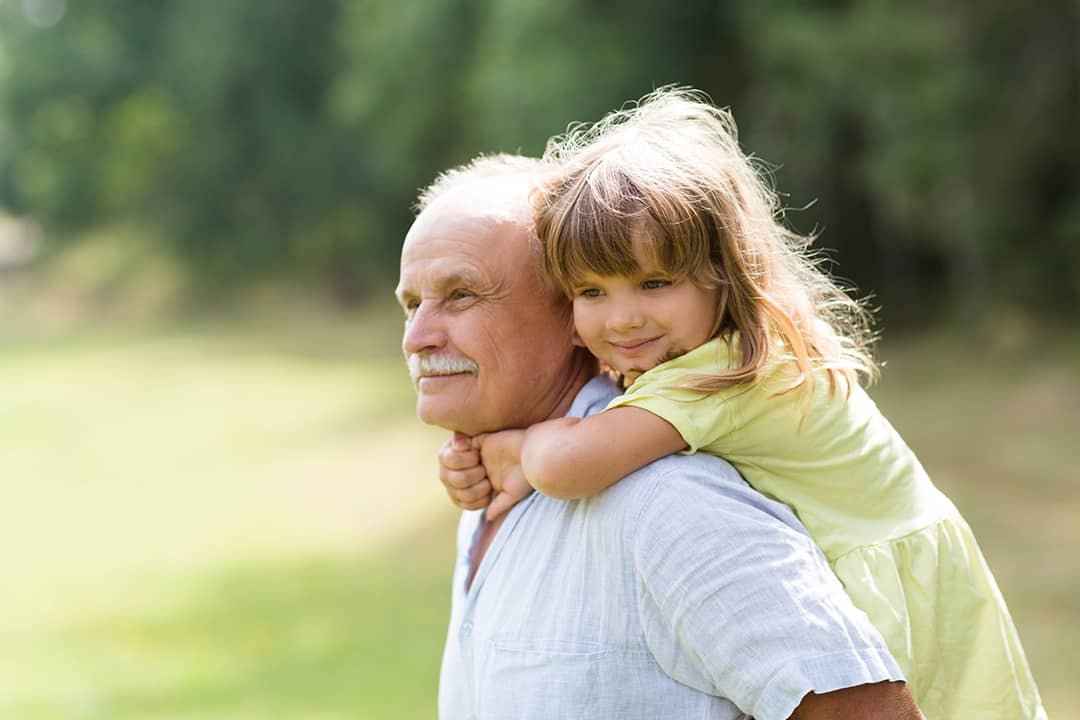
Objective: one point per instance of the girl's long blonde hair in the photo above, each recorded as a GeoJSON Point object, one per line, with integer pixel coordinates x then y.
{"type": "Point", "coordinates": [666, 176]}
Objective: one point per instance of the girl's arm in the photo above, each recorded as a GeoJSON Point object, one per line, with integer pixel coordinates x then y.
{"type": "Point", "coordinates": [572, 458]}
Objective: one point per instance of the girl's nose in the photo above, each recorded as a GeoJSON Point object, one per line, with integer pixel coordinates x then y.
{"type": "Point", "coordinates": [625, 316]}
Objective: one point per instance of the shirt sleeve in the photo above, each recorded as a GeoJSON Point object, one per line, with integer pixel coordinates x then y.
{"type": "Point", "coordinates": [737, 602]}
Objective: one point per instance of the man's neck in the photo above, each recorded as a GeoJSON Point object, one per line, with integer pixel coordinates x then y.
{"type": "Point", "coordinates": [584, 369]}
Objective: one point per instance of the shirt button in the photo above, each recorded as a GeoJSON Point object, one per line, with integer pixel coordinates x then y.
{"type": "Point", "coordinates": [466, 629]}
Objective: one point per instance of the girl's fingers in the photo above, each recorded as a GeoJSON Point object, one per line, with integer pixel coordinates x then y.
{"type": "Point", "coordinates": [461, 479]}
{"type": "Point", "coordinates": [471, 498]}
{"type": "Point", "coordinates": [461, 441]}
{"type": "Point", "coordinates": [462, 474]}
{"type": "Point", "coordinates": [499, 505]}
{"type": "Point", "coordinates": [457, 459]}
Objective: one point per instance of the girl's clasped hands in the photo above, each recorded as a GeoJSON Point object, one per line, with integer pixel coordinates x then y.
{"type": "Point", "coordinates": [484, 471]}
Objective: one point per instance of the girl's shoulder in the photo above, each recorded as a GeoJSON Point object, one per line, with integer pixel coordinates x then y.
{"type": "Point", "coordinates": [716, 355]}
{"type": "Point", "coordinates": [720, 356]}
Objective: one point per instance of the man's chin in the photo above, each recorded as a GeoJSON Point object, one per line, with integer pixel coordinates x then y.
{"type": "Point", "coordinates": [443, 412]}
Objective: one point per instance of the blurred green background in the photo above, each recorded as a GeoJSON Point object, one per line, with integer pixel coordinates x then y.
{"type": "Point", "coordinates": [215, 500]}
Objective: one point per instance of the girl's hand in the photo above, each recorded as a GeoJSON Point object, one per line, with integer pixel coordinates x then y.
{"type": "Point", "coordinates": [462, 474]}
{"type": "Point", "coordinates": [501, 454]}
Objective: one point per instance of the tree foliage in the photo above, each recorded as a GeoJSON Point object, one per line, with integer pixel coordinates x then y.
{"type": "Point", "coordinates": [935, 145]}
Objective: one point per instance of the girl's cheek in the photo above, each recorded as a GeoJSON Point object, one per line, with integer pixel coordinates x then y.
{"type": "Point", "coordinates": [590, 326]}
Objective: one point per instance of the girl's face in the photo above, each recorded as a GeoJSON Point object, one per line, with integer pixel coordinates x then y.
{"type": "Point", "coordinates": [635, 323]}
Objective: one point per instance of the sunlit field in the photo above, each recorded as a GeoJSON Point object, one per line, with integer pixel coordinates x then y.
{"type": "Point", "coordinates": [215, 500]}
{"type": "Point", "coordinates": [218, 522]}
{"type": "Point", "coordinates": [241, 520]}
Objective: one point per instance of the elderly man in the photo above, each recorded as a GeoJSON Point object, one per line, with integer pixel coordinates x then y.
{"type": "Point", "coordinates": [679, 592]}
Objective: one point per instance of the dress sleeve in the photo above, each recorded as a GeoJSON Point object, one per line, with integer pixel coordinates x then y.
{"type": "Point", "coordinates": [737, 602]}
{"type": "Point", "coordinates": [701, 418]}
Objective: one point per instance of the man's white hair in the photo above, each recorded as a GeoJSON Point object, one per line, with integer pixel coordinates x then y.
{"type": "Point", "coordinates": [483, 167]}
{"type": "Point", "coordinates": [499, 187]}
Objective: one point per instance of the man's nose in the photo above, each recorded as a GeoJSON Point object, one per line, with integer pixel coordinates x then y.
{"type": "Point", "coordinates": [423, 331]}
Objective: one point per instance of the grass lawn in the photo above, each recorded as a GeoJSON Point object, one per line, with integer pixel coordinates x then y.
{"type": "Point", "coordinates": [218, 522]}
{"type": "Point", "coordinates": [237, 521]}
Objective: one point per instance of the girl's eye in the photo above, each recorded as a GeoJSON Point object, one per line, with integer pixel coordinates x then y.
{"type": "Point", "coordinates": [655, 284]}
{"type": "Point", "coordinates": [590, 292]}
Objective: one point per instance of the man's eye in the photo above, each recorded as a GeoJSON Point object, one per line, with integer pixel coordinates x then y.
{"type": "Point", "coordinates": [460, 294]}
{"type": "Point", "coordinates": [655, 284]}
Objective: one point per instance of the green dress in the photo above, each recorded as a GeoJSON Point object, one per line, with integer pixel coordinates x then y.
{"type": "Point", "coordinates": [903, 552]}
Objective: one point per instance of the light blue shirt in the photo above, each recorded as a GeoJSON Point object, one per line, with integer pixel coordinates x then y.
{"type": "Point", "coordinates": [679, 592]}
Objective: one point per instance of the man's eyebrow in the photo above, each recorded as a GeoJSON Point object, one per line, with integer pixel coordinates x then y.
{"type": "Point", "coordinates": [463, 278]}
{"type": "Point", "coordinates": [460, 278]}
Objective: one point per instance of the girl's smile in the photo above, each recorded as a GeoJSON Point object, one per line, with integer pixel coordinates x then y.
{"type": "Point", "coordinates": [635, 347]}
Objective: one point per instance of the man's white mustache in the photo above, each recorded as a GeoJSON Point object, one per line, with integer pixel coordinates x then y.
{"type": "Point", "coordinates": [425, 365]}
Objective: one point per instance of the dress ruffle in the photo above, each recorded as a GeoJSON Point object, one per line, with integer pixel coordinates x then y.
{"type": "Point", "coordinates": [931, 595]}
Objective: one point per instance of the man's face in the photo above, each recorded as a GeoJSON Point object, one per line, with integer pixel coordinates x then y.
{"type": "Point", "coordinates": [485, 341]}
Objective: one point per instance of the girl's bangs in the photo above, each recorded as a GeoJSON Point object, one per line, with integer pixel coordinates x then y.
{"type": "Point", "coordinates": [604, 226]}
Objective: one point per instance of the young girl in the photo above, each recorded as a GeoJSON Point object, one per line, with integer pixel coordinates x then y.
{"type": "Point", "coordinates": [729, 339]}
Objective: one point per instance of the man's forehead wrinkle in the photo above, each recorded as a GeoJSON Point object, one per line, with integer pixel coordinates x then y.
{"type": "Point", "coordinates": [466, 277]}
{"type": "Point", "coordinates": [442, 275]}
{"type": "Point", "coordinates": [451, 224]}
